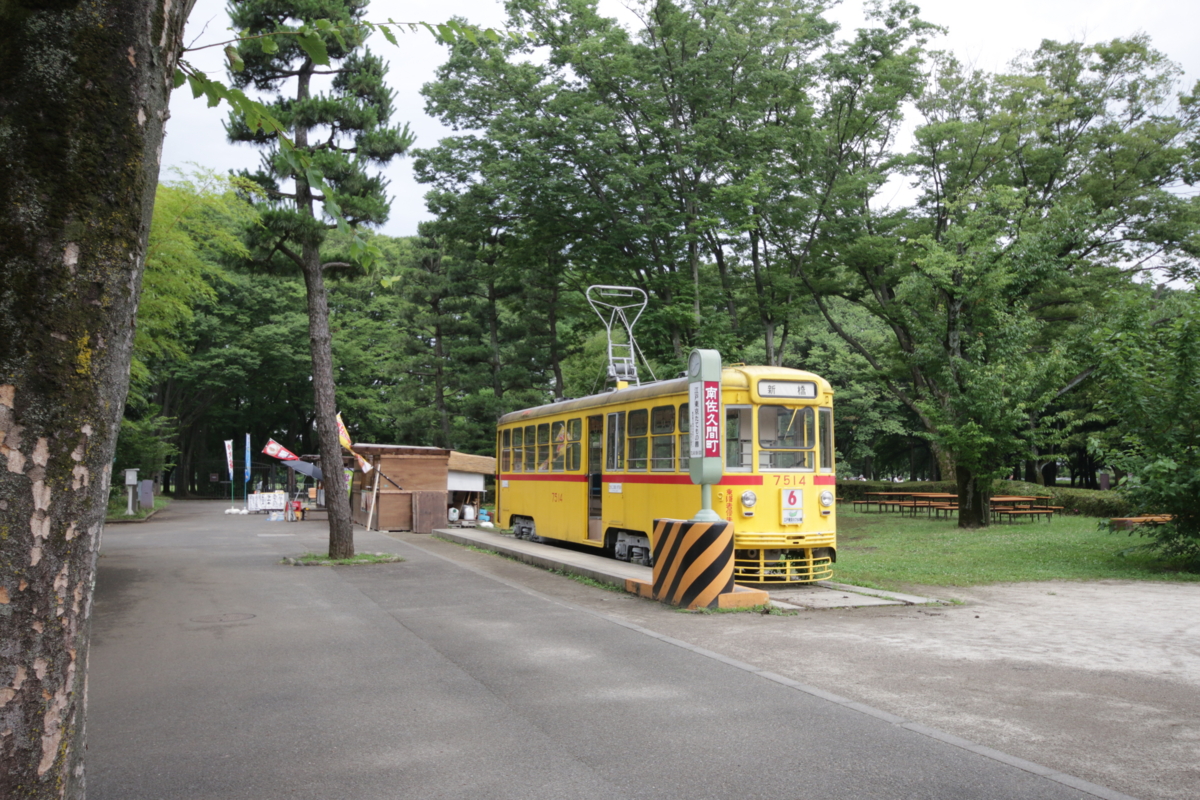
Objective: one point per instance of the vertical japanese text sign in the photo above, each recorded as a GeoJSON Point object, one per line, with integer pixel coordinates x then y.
{"type": "Point", "coordinates": [706, 416]}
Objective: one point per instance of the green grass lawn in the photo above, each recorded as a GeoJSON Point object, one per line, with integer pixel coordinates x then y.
{"type": "Point", "coordinates": [117, 506]}
{"type": "Point", "coordinates": [890, 551]}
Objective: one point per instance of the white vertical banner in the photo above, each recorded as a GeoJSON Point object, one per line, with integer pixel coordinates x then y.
{"type": "Point", "coordinates": [229, 456]}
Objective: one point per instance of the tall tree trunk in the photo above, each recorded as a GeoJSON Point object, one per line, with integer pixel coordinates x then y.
{"type": "Point", "coordinates": [337, 498]}
{"type": "Point", "coordinates": [494, 357]}
{"type": "Point", "coordinates": [945, 461]}
{"type": "Point", "coordinates": [84, 88]}
{"type": "Point", "coordinates": [439, 383]}
{"type": "Point", "coordinates": [974, 500]}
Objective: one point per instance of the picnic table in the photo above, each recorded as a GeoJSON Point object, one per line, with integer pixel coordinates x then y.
{"type": "Point", "coordinates": [1013, 506]}
{"type": "Point", "coordinates": [934, 501]}
{"type": "Point", "coordinates": [880, 499]}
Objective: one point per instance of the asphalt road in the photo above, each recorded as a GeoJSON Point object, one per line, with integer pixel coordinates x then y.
{"type": "Point", "coordinates": [216, 672]}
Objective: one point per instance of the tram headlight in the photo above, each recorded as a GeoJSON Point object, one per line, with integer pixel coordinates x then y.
{"type": "Point", "coordinates": [749, 499]}
{"type": "Point", "coordinates": [827, 498]}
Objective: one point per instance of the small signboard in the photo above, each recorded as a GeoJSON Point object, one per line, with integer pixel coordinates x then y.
{"type": "Point", "coordinates": [706, 416]}
{"type": "Point", "coordinates": [791, 502]}
{"type": "Point", "coordinates": [146, 494]}
{"type": "Point", "coordinates": [787, 390]}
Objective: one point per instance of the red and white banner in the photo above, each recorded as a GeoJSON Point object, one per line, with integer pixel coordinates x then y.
{"type": "Point", "coordinates": [276, 450]}
{"type": "Point", "coordinates": [229, 456]}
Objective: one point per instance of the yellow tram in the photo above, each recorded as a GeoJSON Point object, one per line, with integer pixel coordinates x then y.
{"type": "Point", "coordinates": [597, 471]}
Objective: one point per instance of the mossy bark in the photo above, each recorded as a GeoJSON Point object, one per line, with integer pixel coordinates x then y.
{"type": "Point", "coordinates": [974, 499]}
{"type": "Point", "coordinates": [84, 88]}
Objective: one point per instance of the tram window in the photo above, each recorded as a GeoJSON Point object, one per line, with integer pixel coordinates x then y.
{"type": "Point", "coordinates": [530, 449]}
{"type": "Point", "coordinates": [615, 456]}
{"type": "Point", "coordinates": [543, 447]}
{"type": "Point", "coordinates": [786, 437]}
{"type": "Point", "coordinates": [662, 442]}
{"type": "Point", "coordinates": [739, 442]}
{"type": "Point", "coordinates": [558, 446]}
{"type": "Point", "coordinates": [574, 444]}
{"type": "Point", "coordinates": [518, 436]}
{"type": "Point", "coordinates": [638, 443]}
{"type": "Point", "coordinates": [595, 436]}
{"type": "Point", "coordinates": [685, 444]}
{"type": "Point", "coordinates": [506, 451]}
{"type": "Point", "coordinates": [826, 431]}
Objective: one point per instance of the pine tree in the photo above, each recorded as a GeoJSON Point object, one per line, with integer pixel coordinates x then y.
{"type": "Point", "coordinates": [345, 130]}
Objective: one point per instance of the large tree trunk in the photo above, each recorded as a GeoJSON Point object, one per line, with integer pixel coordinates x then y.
{"type": "Point", "coordinates": [337, 498]}
{"type": "Point", "coordinates": [945, 461]}
{"type": "Point", "coordinates": [84, 88]}
{"type": "Point", "coordinates": [320, 340]}
{"type": "Point", "coordinates": [974, 499]}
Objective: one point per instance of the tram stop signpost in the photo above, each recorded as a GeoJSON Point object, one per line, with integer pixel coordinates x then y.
{"type": "Point", "coordinates": [693, 559]}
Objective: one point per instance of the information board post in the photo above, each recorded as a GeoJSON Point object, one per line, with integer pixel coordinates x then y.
{"type": "Point", "coordinates": [706, 418]}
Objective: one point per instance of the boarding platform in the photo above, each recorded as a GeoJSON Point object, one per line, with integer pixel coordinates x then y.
{"type": "Point", "coordinates": [823, 594]}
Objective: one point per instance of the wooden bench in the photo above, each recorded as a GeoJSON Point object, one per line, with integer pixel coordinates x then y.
{"type": "Point", "coordinates": [1129, 523]}
{"type": "Point", "coordinates": [1021, 512]}
{"type": "Point", "coordinates": [949, 508]}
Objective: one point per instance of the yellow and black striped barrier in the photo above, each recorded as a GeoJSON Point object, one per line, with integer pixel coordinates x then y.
{"type": "Point", "coordinates": [693, 567]}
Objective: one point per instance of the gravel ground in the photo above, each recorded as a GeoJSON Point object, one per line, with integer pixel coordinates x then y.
{"type": "Point", "coordinates": [1100, 680]}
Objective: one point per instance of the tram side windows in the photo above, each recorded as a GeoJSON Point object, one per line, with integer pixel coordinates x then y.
{"type": "Point", "coordinates": [518, 436]}
{"type": "Point", "coordinates": [639, 443]}
{"type": "Point", "coordinates": [506, 451]}
{"type": "Point", "coordinates": [595, 445]}
{"type": "Point", "coordinates": [662, 438]}
{"type": "Point", "coordinates": [615, 446]}
{"type": "Point", "coordinates": [685, 441]}
{"type": "Point", "coordinates": [530, 449]}
{"type": "Point", "coordinates": [826, 429]}
{"type": "Point", "coordinates": [543, 447]}
{"type": "Point", "coordinates": [574, 444]}
{"type": "Point", "coordinates": [558, 446]}
{"type": "Point", "coordinates": [739, 442]}
{"type": "Point", "coordinates": [786, 437]}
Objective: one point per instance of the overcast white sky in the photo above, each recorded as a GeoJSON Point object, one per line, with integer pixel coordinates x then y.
{"type": "Point", "coordinates": [986, 34]}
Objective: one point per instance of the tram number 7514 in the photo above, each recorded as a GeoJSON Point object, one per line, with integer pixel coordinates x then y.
{"type": "Point", "coordinates": [791, 480]}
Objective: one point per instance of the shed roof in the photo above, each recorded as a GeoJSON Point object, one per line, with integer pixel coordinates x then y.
{"type": "Point", "coordinates": [462, 462]}
{"type": "Point", "coordinates": [367, 449]}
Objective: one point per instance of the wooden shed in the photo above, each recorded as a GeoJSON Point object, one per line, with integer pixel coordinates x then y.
{"type": "Point", "coordinates": [412, 488]}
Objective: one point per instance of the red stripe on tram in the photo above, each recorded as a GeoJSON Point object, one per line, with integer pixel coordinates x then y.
{"type": "Point", "coordinates": [728, 480]}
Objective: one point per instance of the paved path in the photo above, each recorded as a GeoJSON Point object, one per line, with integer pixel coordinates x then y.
{"type": "Point", "coordinates": [217, 673]}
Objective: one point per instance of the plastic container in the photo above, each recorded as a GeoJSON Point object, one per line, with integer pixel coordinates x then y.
{"type": "Point", "coordinates": [468, 512]}
{"type": "Point", "coordinates": [453, 514]}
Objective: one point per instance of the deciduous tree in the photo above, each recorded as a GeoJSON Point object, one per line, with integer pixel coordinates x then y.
{"type": "Point", "coordinates": [83, 98]}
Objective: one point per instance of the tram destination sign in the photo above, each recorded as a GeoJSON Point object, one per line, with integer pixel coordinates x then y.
{"type": "Point", "coordinates": [704, 410]}
{"type": "Point", "coordinates": [787, 390]}
{"type": "Point", "coordinates": [706, 416]}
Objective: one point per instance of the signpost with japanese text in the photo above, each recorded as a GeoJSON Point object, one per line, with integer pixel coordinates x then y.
{"type": "Point", "coordinates": [707, 420]}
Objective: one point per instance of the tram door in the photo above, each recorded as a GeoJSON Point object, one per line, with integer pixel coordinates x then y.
{"type": "Point", "coordinates": [595, 468]}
